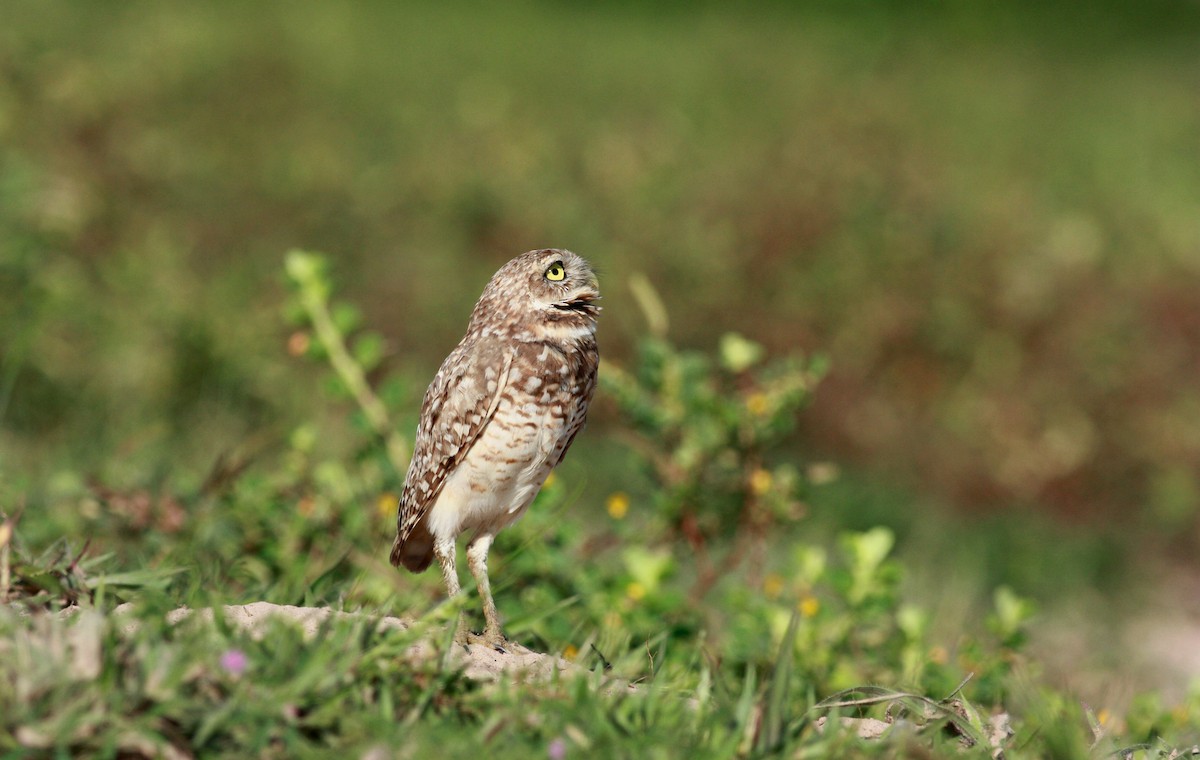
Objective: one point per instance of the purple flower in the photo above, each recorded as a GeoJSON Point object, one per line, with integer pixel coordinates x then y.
{"type": "Point", "coordinates": [557, 749]}
{"type": "Point", "coordinates": [233, 662]}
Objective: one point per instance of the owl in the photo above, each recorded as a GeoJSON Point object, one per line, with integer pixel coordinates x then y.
{"type": "Point", "coordinates": [499, 415]}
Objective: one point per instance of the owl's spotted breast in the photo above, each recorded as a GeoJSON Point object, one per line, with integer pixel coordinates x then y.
{"type": "Point", "coordinates": [535, 421]}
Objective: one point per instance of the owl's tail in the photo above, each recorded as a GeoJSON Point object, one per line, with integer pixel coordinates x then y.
{"type": "Point", "coordinates": [414, 552]}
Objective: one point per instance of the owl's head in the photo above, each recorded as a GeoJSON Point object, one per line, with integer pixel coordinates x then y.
{"type": "Point", "coordinates": [550, 291]}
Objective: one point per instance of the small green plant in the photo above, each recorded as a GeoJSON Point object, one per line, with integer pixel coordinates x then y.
{"type": "Point", "coordinates": [64, 575]}
{"type": "Point", "coordinates": [709, 430]}
{"type": "Point", "coordinates": [351, 359]}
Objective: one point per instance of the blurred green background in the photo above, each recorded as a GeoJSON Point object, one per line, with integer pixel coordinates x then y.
{"type": "Point", "coordinates": [986, 215]}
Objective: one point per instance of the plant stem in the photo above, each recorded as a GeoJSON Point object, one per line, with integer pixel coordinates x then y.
{"type": "Point", "coordinates": [351, 374]}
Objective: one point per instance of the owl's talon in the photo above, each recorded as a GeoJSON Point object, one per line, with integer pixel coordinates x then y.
{"type": "Point", "coordinates": [495, 639]}
{"type": "Point", "coordinates": [491, 639]}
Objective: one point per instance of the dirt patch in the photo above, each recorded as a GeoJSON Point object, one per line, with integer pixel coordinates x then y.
{"type": "Point", "coordinates": [478, 662]}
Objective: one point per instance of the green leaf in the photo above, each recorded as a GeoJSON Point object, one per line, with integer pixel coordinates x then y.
{"type": "Point", "coordinates": [867, 551]}
{"type": "Point", "coordinates": [309, 272]}
{"type": "Point", "coordinates": [346, 317]}
{"type": "Point", "coordinates": [648, 566]}
{"type": "Point", "coordinates": [1010, 613]}
{"type": "Point", "coordinates": [368, 350]}
{"type": "Point", "coordinates": [810, 563]}
{"type": "Point", "coordinates": [301, 266]}
{"type": "Point", "coordinates": [739, 354]}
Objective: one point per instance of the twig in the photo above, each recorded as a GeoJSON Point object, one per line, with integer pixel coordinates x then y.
{"type": "Point", "coordinates": [8, 528]}
{"type": "Point", "coordinates": [351, 374]}
{"type": "Point", "coordinates": [6, 531]}
{"type": "Point", "coordinates": [603, 660]}
{"type": "Point", "coordinates": [749, 531]}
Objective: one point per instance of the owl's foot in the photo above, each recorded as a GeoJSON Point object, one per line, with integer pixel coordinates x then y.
{"type": "Point", "coordinates": [491, 637]}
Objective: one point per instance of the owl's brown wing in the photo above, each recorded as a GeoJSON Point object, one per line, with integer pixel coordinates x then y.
{"type": "Point", "coordinates": [458, 405]}
{"type": "Point", "coordinates": [586, 388]}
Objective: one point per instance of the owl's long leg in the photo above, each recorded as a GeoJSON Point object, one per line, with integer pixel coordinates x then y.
{"type": "Point", "coordinates": [477, 553]}
{"type": "Point", "coordinates": [444, 549]}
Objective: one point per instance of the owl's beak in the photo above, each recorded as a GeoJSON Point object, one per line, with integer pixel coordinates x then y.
{"type": "Point", "coordinates": [583, 303]}
{"type": "Point", "coordinates": [582, 300]}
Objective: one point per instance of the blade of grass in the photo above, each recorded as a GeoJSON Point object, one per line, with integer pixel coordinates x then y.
{"type": "Point", "coordinates": [775, 717]}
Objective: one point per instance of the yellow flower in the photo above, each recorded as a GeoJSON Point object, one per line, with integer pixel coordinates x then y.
{"type": "Point", "coordinates": [571, 652]}
{"type": "Point", "coordinates": [773, 585]}
{"type": "Point", "coordinates": [760, 481]}
{"type": "Point", "coordinates": [618, 505]}
{"type": "Point", "coordinates": [386, 504]}
{"type": "Point", "coordinates": [809, 606]}
{"type": "Point", "coordinates": [635, 591]}
{"type": "Point", "coordinates": [550, 480]}
{"type": "Point", "coordinates": [757, 403]}
{"type": "Point", "coordinates": [1104, 716]}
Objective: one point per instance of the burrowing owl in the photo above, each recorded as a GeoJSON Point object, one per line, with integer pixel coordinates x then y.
{"type": "Point", "coordinates": [499, 415]}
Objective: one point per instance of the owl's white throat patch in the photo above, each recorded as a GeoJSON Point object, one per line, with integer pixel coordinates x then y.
{"type": "Point", "coordinates": [564, 331]}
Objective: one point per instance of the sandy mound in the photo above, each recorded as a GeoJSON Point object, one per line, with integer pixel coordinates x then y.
{"type": "Point", "coordinates": [478, 662]}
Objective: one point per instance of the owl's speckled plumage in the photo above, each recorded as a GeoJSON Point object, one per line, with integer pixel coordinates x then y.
{"type": "Point", "coordinates": [499, 415]}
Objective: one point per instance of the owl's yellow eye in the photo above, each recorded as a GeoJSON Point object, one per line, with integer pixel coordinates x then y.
{"type": "Point", "coordinates": [556, 272]}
